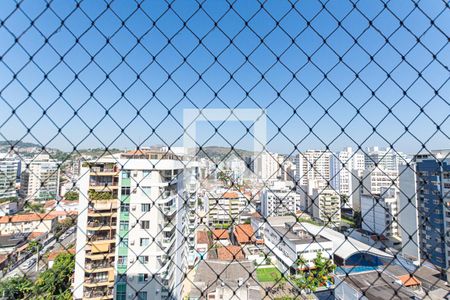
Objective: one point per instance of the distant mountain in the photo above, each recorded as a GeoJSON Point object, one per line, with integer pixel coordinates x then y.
{"type": "Point", "coordinates": [19, 144]}
{"type": "Point", "coordinates": [221, 152]}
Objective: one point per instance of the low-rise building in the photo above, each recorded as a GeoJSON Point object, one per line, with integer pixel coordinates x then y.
{"type": "Point", "coordinates": [290, 242]}
{"type": "Point", "coordinates": [236, 281]}
{"type": "Point", "coordinates": [27, 223]}
{"type": "Point", "coordinates": [379, 213]}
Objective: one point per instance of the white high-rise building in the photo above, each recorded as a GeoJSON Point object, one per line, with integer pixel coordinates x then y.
{"type": "Point", "coordinates": [345, 165]}
{"type": "Point", "coordinates": [313, 168]}
{"type": "Point", "coordinates": [387, 159]}
{"type": "Point", "coordinates": [40, 178]}
{"type": "Point", "coordinates": [376, 179]}
{"type": "Point", "coordinates": [132, 226]}
{"type": "Point", "coordinates": [379, 213]}
{"type": "Point", "coordinates": [279, 199]}
{"type": "Point", "coordinates": [266, 166]}
{"type": "Point", "coordinates": [408, 217]}
{"type": "Point", "coordinates": [8, 174]}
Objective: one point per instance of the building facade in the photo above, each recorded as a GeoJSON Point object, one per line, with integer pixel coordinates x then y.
{"type": "Point", "coordinates": [433, 192]}
{"type": "Point", "coordinates": [326, 207]}
{"type": "Point", "coordinates": [40, 178]}
{"type": "Point", "coordinates": [279, 200]}
{"type": "Point", "coordinates": [8, 175]}
{"type": "Point", "coordinates": [139, 226]}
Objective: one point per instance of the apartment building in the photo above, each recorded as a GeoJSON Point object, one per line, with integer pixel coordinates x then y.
{"type": "Point", "coordinates": [136, 219]}
{"type": "Point", "coordinates": [9, 165]}
{"type": "Point", "coordinates": [376, 179]}
{"type": "Point", "coordinates": [387, 159]}
{"type": "Point", "coordinates": [279, 199]}
{"type": "Point", "coordinates": [290, 241]}
{"type": "Point", "coordinates": [433, 195]}
{"type": "Point", "coordinates": [345, 166]}
{"type": "Point", "coordinates": [313, 168]}
{"type": "Point", "coordinates": [227, 206]}
{"type": "Point", "coordinates": [379, 213]}
{"type": "Point", "coordinates": [39, 178]}
{"type": "Point", "coordinates": [266, 166]}
{"type": "Point", "coordinates": [326, 207]}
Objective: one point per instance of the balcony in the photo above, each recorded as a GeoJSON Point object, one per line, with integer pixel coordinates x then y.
{"type": "Point", "coordinates": [96, 225]}
{"type": "Point", "coordinates": [98, 294]}
{"type": "Point", "coordinates": [103, 171]}
{"type": "Point", "coordinates": [97, 267]}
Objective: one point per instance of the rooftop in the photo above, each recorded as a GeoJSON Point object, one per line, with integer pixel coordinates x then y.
{"type": "Point", "coordinates": [230, 253]}
{"type": "Point", "coordinates": [244, 233]}
{"type": "Point", "coordinates": [26, 218]}
{"type": "Point", "coordinates": [297, 235]}
{"type": "Point", "coordinates": [202, 237]}
{"type": "Point", "coordinates": [220, 234]}
{"type": "Point", "coordinates": [377, 285]}
{"type": "Point", "coordinates": [205, 280]}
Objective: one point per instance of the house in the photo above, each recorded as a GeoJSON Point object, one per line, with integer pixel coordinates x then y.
{"type": "Point", "coordinates": [244, 234]}
{"type": "Point", "coordinates": [54, 254]}
{"type": "Point", "coordinates": [221, 236]}
{"type": "Point", "coordinates": [202, 242]}
{"type": "Point", "coordinates": [230, 253]}
{"type": "Point", "coordinates": [27, 223]}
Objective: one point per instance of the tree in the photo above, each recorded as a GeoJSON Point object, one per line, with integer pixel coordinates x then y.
{"type": "Point", "coordinates": [17, 287]}
{"type": "Point", "coordinates": [71, 196]}
{"type": "Point", "coordinates": [55, 283]}
{"type": "Point", "coordinates": [310, 279]}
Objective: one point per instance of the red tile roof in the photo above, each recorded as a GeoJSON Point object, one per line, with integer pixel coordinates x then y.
{"type": "Point", "coordinates": [34, 235]}
{"type": "Point", "coordinates": [52, 256]}
{"type": "Point", "coordinates": [230, 195]}
{"type": "Point", "coordinates": [26, 218]}
{"type": "Point", "coordinates": [202, 237]}
{"type": "Point", "coordinates": [244, 233]}
{"type": "Point", "coordinates": [230, 253]}
{"type": "Point", "coordinates": [220, 234]}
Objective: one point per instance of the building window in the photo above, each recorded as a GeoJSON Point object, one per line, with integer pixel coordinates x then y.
{"type": "Point", "coordinates": [145, 241]}
{"type": "Point", "coordinates": [124, 207]}
{"type": "Point", "coordinates": [145, 224]}
{"type": "Point", "coordinates": [143, 259]}
{"type": "Point", "coordinates": [126, 174]}
{"type": "Point", "coordinates": [145, 207]}
{"type": "Point", "coordinates": [123, 225]}
{"type": "Point", "coordinates": [125, 190]}
{"type": "Point", "coordinates": [142, 296]}
{"type": "Point", "coordinates": [142, 277]}
{"type": "Point", "coordinates": [122, 260]}
{"type": "Point", "coordinates": [123, 243]}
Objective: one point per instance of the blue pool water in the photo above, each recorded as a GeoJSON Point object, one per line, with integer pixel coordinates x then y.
{"type": "Point", "coordinates": [355, 269]}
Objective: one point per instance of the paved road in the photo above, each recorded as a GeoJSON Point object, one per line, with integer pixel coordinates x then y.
{"type": "Point", "coordinates": [31, 271]}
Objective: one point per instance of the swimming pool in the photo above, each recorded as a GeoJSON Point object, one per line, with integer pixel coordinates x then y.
{"type": "Point", "coordinates": [354, 269]}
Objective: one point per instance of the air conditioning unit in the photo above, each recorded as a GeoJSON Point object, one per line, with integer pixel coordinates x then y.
{"type": "Point", "coordinates": [133, 207]}
{"type": "Point", "coordinates": [135, 174]}
{"type": "Point", "coordinates": [132, 243]}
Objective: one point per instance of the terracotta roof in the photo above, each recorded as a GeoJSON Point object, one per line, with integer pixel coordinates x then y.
{"type": "Point", "coordinates": [409, 280]}
{"type": "Point", "coordinates": [220, 234]}
{"type": "Point", "coordinates": [26, 218]}
{"type": "Point", "coordinates": [35, 235]}
{"type": "Point", "coordinates": [52, 256]}
{"type": "Point", "coordinates": [244, 233]}
{"type": "Point", "coordinates": [3, 257]}
{"type": "Point", "coordinates": [230, 195]}
{"type": "Point", "coordinates": [50, 204]}
{"type": "Point", "coordinates": [230, 253]}
{"type": "Point", "coordinates": [202, 237]}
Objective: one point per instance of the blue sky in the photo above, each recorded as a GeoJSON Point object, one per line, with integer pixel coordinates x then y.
{"type": "Point", "coordinates": [164, 56]}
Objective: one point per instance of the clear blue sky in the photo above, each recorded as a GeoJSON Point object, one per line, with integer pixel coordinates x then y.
{"type": "Point", "coordinates": [269, 38]}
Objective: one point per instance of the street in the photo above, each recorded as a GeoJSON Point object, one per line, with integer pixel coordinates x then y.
{"type": "Point", "coordinates": [28, 268]}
